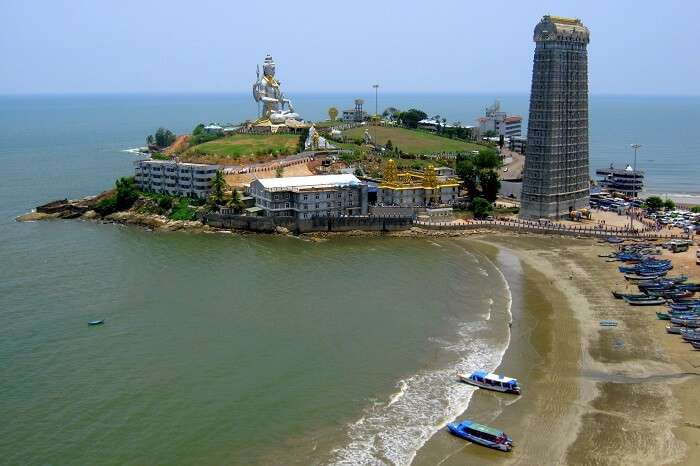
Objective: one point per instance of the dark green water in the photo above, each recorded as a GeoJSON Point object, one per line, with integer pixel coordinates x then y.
{"type": "Point", "coordinates": [214, 346]}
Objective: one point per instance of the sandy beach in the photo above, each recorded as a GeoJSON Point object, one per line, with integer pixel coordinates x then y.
{"type": "Point", "coordinates": [592, 395]}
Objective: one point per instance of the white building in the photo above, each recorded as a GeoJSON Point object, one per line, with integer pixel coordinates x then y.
{"type": "Point", "coordinates": [174, 178]}
{"type": "Point", "coordinates": [500, 122]}
{"type": "Point", "coordinates": [305, 197]}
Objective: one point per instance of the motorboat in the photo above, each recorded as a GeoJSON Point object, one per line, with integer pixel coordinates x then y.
{"type": "Point", "coordinates": [481, 434]}
{"type": "Point", "coordinates": [490, 381]}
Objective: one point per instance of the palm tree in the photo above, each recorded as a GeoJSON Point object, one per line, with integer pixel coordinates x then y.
{"type": "Point", "coordinates": [236, 203]}
{"type": "Point", "coordinates": [333, 113]}
{"type": "Point", "coordinates": [218, 186]}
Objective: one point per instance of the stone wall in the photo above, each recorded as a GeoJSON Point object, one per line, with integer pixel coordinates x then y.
{"type": "Point", "coordinates": [271, 224]}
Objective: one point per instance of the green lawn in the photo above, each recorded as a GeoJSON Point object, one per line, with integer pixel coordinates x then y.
{"type": "Point", "coordinates": [412, 141]}
{"type": "Point", "coordinates": [243, 146]}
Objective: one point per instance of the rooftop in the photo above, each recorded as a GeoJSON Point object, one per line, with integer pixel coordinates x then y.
{"type": "Point", "coordinates": [174, 162]}
{"type": "Point", "coordinates": [314, 181]}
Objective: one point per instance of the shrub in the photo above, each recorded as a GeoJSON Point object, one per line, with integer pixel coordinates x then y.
{"type": "Point", "coordinates": [182, 211]}
{"type": "Point", "coordinates": [106, 206]}
{"type": "Point", "coordinates": [165, 202]}
{"type": "Point", "coordinates": [126, 193]}
{"type": "Point", "coordinates": [481, 207]}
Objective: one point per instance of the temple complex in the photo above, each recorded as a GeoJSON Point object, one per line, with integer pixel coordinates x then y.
{"type": "Point", "coordinates": [415, 189]}
{"type": "Point", "coordinates": [556, 177]}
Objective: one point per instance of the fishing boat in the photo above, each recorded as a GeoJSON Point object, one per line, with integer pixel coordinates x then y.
{"type": "Point", "coordinates": [614, 240]}
{"type": "Point", "coordinates": [645, 302]}
{"type": "Point", "coordinates": [633, 278]}
{"type": "Point", "coordinates": [608, 323]}
{"type": "Point", "coordinates": [491, 381]}
{"type": "Point", "coordinates": [619, 295]}
{"type": "Point", "coordinates": [674, 329]}
{"type": "Point", "coordinates": [691, 336]}
{"type": "Point", "coordinates": [696, 344]}
{"type": "Point", "coordinates": [96, 322]}
{"type": "Point", "coordinates": [663, 316]}
{"type": "Point", "coordinates": [693, 322]}
{"type": "Point", "coordinates": [481, 434]}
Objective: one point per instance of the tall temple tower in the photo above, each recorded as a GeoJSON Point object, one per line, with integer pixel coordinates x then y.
{"type": "Point", "coordinates": [556, 178]}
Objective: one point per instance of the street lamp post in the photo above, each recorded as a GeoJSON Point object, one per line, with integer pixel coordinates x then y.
{"type": "Point", "coordinates": [634, 171]}
{"type": "Point", "coordinates": [376, 94]}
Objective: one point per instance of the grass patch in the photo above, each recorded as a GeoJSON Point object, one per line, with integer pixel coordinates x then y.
{"type": "Point", "coordinates": [243, 146]}
{"type": "Point", "coordinates": [412, 141]}
{"type": "Point", "coordinates": [182, 210]}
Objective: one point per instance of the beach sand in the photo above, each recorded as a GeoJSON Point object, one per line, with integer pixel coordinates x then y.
{"type": "Point", "coordinates": [591, 395]}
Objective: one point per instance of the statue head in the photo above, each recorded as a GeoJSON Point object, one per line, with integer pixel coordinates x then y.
{"type": "Point", "coordinates": [269, 66]}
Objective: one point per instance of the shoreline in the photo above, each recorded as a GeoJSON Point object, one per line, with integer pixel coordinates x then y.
{"type": "Point", "coordinates": [591, 394]}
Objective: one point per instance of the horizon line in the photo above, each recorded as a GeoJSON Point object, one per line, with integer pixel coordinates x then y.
{"type": "Point", "coordinates": [355, 92]}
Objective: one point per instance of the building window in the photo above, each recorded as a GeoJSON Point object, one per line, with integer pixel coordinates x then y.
{"type": "Point", "coordinates": [306, 197]}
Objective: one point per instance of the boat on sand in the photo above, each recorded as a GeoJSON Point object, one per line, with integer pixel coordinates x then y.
{"type": "Point", "coordinates": [491, 381]}
{"type": "Point", "coordinates": [481, 434]}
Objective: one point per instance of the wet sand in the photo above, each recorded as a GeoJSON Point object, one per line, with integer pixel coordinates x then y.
{"type": "Point", "coordinates": [592, 395]}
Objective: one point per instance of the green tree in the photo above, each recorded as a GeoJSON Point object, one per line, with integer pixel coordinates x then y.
{"type": "Point", "coordinates": [479, 173]}
{"type": "Point", "coordinates": [126, 194]}
{"type": "Point", "coordinates": [695, 209]}
{"type": "Point", "coordinates": [469, 174]}
{"type": "Point", "coordinates": [218, 186]}
{"type": "Point", "coordinates": [333, 113]}
{"type": "Point", "coordinates": [164, 137]}
{"type": "Point", "coordinates": [487, 159]}
{"type": "Point", "coordinates": [411, 117]}
{"type": "Point", "coordinates": [236, 203]}
{"type": "Point", "coordinates": [481, 207]}
{"type": "Point", "coordinates": [150, 140]}
{"type": "Point", "coordinates": [490, 184]}
{"type": "Point", "coordinates": [669, 204]}
{"type": "Point", "coordinates": [389, 146]}
{"type": "Point", "coordinates": [199, 129]}
{"type": "Point", "coordinates": [279, 171]}
{"type": "Point", "coordinates": [654, 203]}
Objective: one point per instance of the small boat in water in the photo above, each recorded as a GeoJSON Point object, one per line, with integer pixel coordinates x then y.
{"type": "Point", "coordinates": [491, 381]}
{"type": "Point", "coordinates": [96, 322]}
{"type": "Point", "coordinates": [481, 434]}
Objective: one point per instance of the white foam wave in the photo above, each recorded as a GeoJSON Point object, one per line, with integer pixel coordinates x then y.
{"type": "Point", "coordinates": [398, 395]}
{"type": "Point", "coordinates": [393, 432]}
{"type": "Point", "coordinates": [136, 150]}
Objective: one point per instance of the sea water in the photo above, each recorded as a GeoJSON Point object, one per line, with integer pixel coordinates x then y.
{"type": "Point", "coordinates": [219, 349]}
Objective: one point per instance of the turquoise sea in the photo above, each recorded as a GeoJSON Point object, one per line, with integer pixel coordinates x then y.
{"type": "Point", "coordinates": [221, 349]}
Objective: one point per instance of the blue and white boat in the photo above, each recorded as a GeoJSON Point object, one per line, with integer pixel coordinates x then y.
{"type": "Point", "coordinates": [481, 434]}
{"type": "Point", "coordinates": [491, 381]}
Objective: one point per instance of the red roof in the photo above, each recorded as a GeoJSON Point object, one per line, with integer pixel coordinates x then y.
{"type": "Point", "coordinates": [513, 119]}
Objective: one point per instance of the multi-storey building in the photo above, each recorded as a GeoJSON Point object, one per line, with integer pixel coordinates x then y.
{"type": "Point", "coordinates": [626, 181]}
{"type": "Point", "coordinates": [174, 178]}
{"type": "Point", "coordinates": [499, 122]}
{"type": "Point", "coordinates": [355, 114]}
{"type": "Point", "coordinates": [305, 197]}
{"type": "Point", "coordinates": [556, 177]}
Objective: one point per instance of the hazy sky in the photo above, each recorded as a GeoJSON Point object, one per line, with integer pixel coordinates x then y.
{"type": "Point", "coordinates": [637, 47]}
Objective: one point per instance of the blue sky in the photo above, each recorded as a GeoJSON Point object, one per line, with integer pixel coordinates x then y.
{"type": "Point", "coordinates": [637, 47]}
